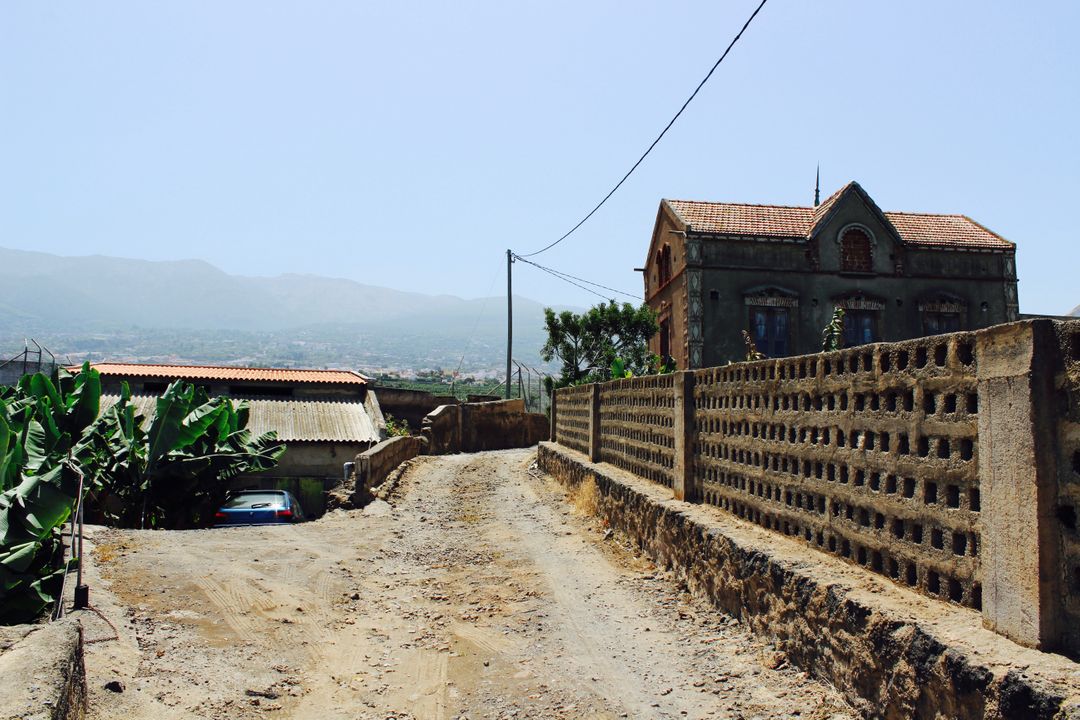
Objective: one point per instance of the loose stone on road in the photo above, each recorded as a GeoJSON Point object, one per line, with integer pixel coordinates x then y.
{"type": "Point", "coordinates": [480, 591]}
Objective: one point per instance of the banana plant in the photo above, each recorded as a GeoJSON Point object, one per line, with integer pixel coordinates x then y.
{"type": "Point", "coordinates": [171, 473]}
{"type": "Point", "coordinates": [40, 420]}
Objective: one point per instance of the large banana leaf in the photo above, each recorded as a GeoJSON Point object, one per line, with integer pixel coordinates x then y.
{"type": "Point", "coordinates": [43, 422]}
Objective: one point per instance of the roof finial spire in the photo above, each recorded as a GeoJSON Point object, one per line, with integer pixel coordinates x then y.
{"type": "Point", "coordinates": [817, 187]}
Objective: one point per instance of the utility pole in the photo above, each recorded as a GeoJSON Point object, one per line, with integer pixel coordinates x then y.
{"type": "Point", "coordinates": [509, 320]}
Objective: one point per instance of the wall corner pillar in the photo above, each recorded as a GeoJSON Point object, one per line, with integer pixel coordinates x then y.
{"type": "Point", "coordinates": [684, 483]}
{"type": "Point", "coordinates": [1017, 469]}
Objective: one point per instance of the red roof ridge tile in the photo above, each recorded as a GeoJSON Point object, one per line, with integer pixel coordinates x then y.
{"type": "Point", "coordinates": [927, 214]}
{"type": "Point", "coordinates": [741, 204]}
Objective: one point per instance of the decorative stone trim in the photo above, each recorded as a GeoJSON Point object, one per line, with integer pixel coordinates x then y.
{"type": "Point", "coordinates": [858, 303]}
{"type": "Point", "coordinates": [771, 301]}
{"type": "Point", "coordinates": [943, 307]}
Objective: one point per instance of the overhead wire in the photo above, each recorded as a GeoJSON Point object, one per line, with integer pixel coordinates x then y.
{"type": "Point", "coordinates": [555, 273]}
{"type": "Point", "coordinates": [568, 277]}
{"type": "Point", "coordinates": [658, 137]}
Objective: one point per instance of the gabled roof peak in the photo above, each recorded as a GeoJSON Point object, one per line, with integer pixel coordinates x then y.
{"type": "Point", "coordinates": [792, 222]}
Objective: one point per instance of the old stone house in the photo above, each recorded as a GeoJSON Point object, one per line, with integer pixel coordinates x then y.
{"type": "Point", "coordinates": [715, 269]}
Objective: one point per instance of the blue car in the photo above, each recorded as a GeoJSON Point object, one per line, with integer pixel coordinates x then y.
{"type": "Point", "coordinates": [259, 507]}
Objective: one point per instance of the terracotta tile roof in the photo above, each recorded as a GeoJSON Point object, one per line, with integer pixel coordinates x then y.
{"type": "Point", "coordinates": [923, 229]}
{"type": "Point", "coordinates": [292, 420]}
{"type": "Point", "coordinates": [221, 372]}
{"type": "Point", "coordinates": [777, 221]}
{"type": "Point", "coordinates": [797, 223]}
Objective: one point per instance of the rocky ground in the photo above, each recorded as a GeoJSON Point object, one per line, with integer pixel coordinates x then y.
{"type": "Point", "coordinates": [480, 591]}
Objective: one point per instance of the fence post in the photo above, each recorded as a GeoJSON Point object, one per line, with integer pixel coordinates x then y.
{"type": "Point", "coordinates": [552, 409]}
{"type": "Point", "coordinates": [684, 484]}
{"type": "Point", "coordinates": [1022, 584]}
{"type": "Point", "coordinates": [594, 422]}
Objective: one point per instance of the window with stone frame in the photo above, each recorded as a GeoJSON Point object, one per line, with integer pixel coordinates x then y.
{"type": "Point", "coordinates": [860, 327]}
{"type": "Point", "coordinates": [942, 313]}
{"type": "Point", "coordinates": [770, 329]}
{"type": "Point", "coordinates": [770, 311]}
{"type": "Point", "coordinates": [939, 323]}
{"type": "Point", "coordinates": [856, 251]}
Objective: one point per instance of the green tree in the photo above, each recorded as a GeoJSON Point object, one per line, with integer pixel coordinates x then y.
{"type": "Point", "coordinates": [589, 344]}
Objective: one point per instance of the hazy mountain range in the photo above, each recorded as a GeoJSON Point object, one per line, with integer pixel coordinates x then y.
{"type": "Point", "coordinates": [88, 300]}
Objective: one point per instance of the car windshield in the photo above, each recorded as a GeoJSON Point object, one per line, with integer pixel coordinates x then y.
{"type": "Point", "coordinates": [256, 500]}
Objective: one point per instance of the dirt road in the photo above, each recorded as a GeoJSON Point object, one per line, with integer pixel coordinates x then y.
{"type": "Point", "coordinates": [480, 591]}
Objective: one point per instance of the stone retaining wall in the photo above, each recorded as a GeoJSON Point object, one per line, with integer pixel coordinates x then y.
{"type": "Point", "coordinates": [473, 427]}
{"type": "Point", "coordinates": [893, 653]}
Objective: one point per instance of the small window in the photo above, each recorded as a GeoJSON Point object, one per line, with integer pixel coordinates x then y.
{"type": "Point", "coordinates": [855, 251]}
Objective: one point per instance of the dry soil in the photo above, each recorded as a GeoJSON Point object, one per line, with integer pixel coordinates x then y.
{"type": "Point", "coordinates": [480, 591]}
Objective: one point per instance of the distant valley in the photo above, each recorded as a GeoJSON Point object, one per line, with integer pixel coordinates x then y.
{"type": "Point", "coordinates": [100, 307]}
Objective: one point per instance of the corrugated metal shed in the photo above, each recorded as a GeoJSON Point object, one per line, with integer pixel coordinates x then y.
{"type": "Point", "coordinates": [224, 372]}
{"type": "Point", "coordinates": [293, 420]}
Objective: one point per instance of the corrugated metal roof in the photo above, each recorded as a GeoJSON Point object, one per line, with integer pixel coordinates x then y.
{"type": "Point", "coordinates": [292, 420]}
{"type": "Point", "coordinates": [224, 372]}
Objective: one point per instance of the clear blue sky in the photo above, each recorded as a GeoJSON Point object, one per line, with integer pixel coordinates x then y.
{"type": "Point", "coordinates": [409, 144]}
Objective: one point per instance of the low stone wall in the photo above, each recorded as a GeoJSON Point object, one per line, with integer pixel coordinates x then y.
{"type": "Point", "coordinates": [474, 427]}
{"type": "Point", "coordinates": [500, 425]}
{"type": "Point", "coordinates": [442, 428]}
{"type": "Point", "coordinates": [375, 464]}
{"type": "Point", "coordinates": [43, 673]}
{"type": "Point", "coordinates": [410, 405]}
{"type": "Point", "coordinates": [893, 653]}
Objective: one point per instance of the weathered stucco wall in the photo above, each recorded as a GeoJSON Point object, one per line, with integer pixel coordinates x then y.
{"type": "Point", "coordinates": [1066, 384]}
{"type": "Point", "coordinates": [43, 673]}
{"type": "Point", "coordinates": [948, 464]}
{"type": "Point", "coordinates": [375, 464]}
{"type": "Point", "coordinates": [317, 458]}
{"type": "Point", "coordinates": [474, 427]}
{"type": "Point", "coordinates": [410, 405]}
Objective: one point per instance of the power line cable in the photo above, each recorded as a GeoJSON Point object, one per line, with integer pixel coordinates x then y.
{"type": "Point", "coordinates": [563, 275]}
{"type": "Point", "coordinates": [658, 137]}
{"type": "Point", "coordinates": [553, 273]}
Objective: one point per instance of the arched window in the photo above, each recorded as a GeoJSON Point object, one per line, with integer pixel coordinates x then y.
{"type": "Point", "coordinates": [663, 265]}
{"type": "Point", "coordinates": [855, 251]}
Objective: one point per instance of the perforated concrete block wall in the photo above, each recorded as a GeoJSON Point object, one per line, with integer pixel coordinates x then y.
{"type": "Point", "coordinates": [873, 454]}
